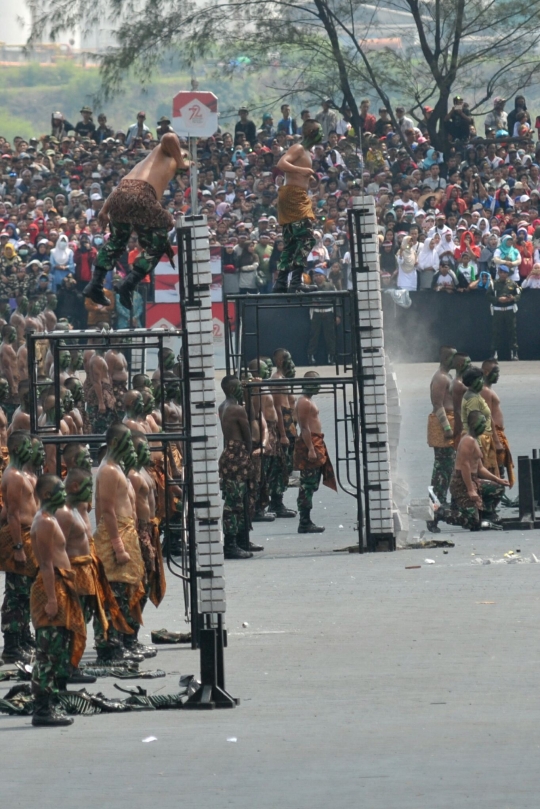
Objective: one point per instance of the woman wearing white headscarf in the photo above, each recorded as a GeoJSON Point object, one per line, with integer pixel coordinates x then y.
{"type": "Point", "coordinates": [428, 261]}
{"type": "Point", "coordinates": [407, 260]}
{"type": "Point", "coordinates": [62, 262]}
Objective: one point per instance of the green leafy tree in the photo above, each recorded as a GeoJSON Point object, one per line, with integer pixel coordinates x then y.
{"type": "Point", "coordinates": [481, 46]}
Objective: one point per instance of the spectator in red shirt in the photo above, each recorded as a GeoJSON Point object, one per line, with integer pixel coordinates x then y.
{"type": "Point", "coordinates": [367, 120]}
{"type": "Point", "coordinates": [85, 256]}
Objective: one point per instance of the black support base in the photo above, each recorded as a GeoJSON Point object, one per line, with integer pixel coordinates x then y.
{"type": "Point", "coordinates": [212, 693]}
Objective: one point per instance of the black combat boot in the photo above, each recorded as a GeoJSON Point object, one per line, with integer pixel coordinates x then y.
{"type": "Point", "coordinates": [305, 526]}
{"type": "Point", "coordinates": [280, 284]}
{"type": "Point", "coordinates": [47, 714]}
{"type": "Point", "coordinates": [128, 287]}
{"type": "Point", "coordinates": [78, 676]}
{"type": "Point", "coordinates": [94, 289]}
{"type": "Point", "coordinates": [244, 543]}
{"type": "Point", "coordinates": [279, 509]}
{"type": "Point", "coordinates": [263, 516]}
{"type": "Point", "coordinates": [13, 651]}
{"type": "Point", "coordinates": [231, 549]}
{"type": "Point", "coordinates": [27, 640]}
{"type": "Point", "coordinates": [131, 644]}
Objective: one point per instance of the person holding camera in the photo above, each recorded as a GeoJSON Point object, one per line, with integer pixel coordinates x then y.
{"type": "Point", "coordinates": [459, 121]}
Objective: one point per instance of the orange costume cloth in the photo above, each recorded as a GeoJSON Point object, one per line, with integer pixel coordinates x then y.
{"type": "Point", "coordinates": [489, 451]}
{"type": "Point", "coordinates": [435, 433]}
{"type": "Point", "coordinates": [504, 456]}
{"type": "Point", "coordinates": [69, 615]}
{"type": "Point", "coordinates": [303, 463]}
{"type": "Point", "coordinates": [90, 580]}
{"type": "Point", "coordinates": [7, 562]}
{"type": "Point", "coordinates": [293, 205]}
{"type": "Point", "coordinates": [132, 573]}
{"type": "Point", "coordinates": [157, 473]}
{"type": "Point", "coordinates": [153, 560]}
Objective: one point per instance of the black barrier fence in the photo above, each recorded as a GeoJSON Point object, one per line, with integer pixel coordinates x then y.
{"type": "Point", "coordinates": [415, 334]}
{"type": "Point", "coordinates": [462, 320]}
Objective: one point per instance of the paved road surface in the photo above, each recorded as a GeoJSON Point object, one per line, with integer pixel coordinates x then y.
{"type": "Point", "coordinates": [362, 683]}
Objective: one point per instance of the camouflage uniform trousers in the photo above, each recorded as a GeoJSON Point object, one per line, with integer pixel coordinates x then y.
{"type": "Point", "coordinates": [469, 516]}
{"type": "Point", "coordinates": [53, 652]}
{"type": "Point", "coordinates": [310, 480]}
{"type": "Point", "coordinates": [16, 605]}
{"type": "Point", "coordinates": [298, 241]}
{"type": "Point", "coordinates": [235, 495]}
{"type": "Point", "coordinates": [153, 241]}
{"type": "Point", "coordinates": [101, 421]}
{"type": "Point", "coordinates": [442, 471]}
{"type": "Point", "coordinates": [261, 496]}
{"type": "Point", "coordinates": [276, 471]}
{"type": "Point", "coordinates": [115, 638]}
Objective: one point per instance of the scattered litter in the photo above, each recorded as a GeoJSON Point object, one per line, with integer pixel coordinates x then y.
{"type": "Point", "coordinates": [150, 739]}
{"type": "Point", "coordinates": [486, 602]}
{"type": "Point", "coordinates": [509, 558]}
{"type": "Point", "coordinates": [429, 561]}
{"type": "Point", "coordinates": [245, 624]}
{"type": "Point", "coordinates": [518, 550]}
{"type": "Point", "coordinates": [340, 526]}
{"type": "Point", "coordinates": [418, 543]}
{"type": "Point", "coordinates": [232, 739]}
{"type": "Point", "coordinates": [445, 551]}
{"type": "Point", "coordinates": [413, 567]}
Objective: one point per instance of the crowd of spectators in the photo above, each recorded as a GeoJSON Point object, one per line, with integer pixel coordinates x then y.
{"type": "Point", "coordinates": [447, 217]}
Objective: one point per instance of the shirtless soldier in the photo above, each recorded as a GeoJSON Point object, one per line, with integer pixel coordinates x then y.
{"type": "Point", "coordinates": [56, 611]}
{"type": "Point", "coordinates": [116, 539]}
{"type": "Point", "coordinates": [93, 589]}
{"type": "Point", "coordinates": [16, 556]}
{"type": "Point", "coordinates": [48, 419]}
{"type": "Point", "coordinates": [295, 211]}
{"type": "Point", "coordinates": [18, 318]}
{"type": "Point", "coordinates": [76, 411]}
{"type": "Point", "coordinates": [145, 505]}
{"type": "Point", "coordinates": [259, 401]}
{"type": "Point", "coordinates": [135, 205]}
{"type": "Point", "coordinates": [278, 477]}
{"type": "Point", "coordinates": [8, 366]}
{"type": "Point", "coordinates": [440, 431]}
{"type": "Point", "coordinates": [310, 454]}
{"type": "Point", "coordinates": [457, 390]}
{"type": "Point", "coordinates": [118, 371]}
{"type": "Point", "coordinates": [285, 369]}
{"type": "Point", "coordinates": [235, 471]}
{"type": "Point", "coordinates": [475, 491]}
{"type": "Point", "coordinates": [491, 373]}
{"type": "Point", "coordinates": [101, 404]}
{"type": "Point", "coordinates": [21, 416]}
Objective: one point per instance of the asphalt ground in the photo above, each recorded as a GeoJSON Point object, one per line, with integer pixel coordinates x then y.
{"type": "Point", "coordinates": [363, 679]}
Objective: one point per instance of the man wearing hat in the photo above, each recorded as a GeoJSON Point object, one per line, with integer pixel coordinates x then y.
{"type": "Point", "coordinates": [163, 126]}
{"type": "Point", "coordinates": [503, 299]}
{"type": "Point", "coordinates": [497, 118]}
{"type": "Point", "coordinates": [137, 130]}
{"type": "Point", "coordinates": [86, 128]}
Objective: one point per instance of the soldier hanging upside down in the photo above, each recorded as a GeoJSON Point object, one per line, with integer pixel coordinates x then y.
{"type": "Point", "coordinates": [135, 205]}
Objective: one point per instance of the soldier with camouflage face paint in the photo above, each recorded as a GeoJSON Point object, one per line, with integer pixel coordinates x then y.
{"type": "Point", "coordinates": [236, 471]}
{"type": "Point", "coordinates": [48, 312]}
{"type": "Point", "coordinates": [17, 558]}
{"type": "Point", "coordinates": [52, 410]}
{"type": "Point", "coordinates": [56, 610]}
{"type": "Point", "coordinates": [76, 409]}
{"type": "Point", "coordinates": [18, 318]}
{"type": "Point", "coordinates": [8, 368]}
{"type": "Point", "coordinates": [21, 417]}
{"type": "Point", "coordinates": [116, 538]}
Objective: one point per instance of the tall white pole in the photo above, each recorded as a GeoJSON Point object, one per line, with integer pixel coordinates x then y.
{"type": "Point", "coordinates": [193, 176]}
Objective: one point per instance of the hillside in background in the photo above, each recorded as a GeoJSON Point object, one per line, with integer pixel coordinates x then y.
{"type": "Point", "coordinates": [31, 92]}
